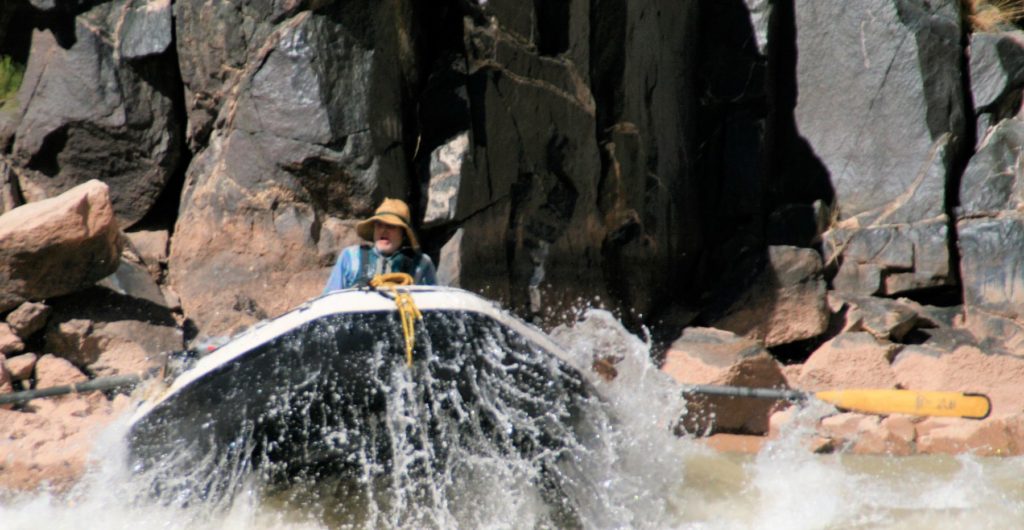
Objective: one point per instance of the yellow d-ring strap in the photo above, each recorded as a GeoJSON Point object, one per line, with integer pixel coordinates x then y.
{"type": "Point", "coordinates": [406, 307]}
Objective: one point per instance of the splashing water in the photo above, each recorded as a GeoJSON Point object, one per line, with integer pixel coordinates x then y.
{"type": "Point", "coordinates": [481, 455]}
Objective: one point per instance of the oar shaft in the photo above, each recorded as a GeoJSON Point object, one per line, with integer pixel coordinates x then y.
{"type": "Point", "coordinates": [101, 383]}
{"type": "Point", "coordinates": [746, 392]}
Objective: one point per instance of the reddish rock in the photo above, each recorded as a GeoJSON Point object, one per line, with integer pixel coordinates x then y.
{"type": "Point", "coordinates": [866, 434]}
{"type": "Point", "coordinates": [74, 340]}
{"type": "Point", "coordinates": [851, 360]}
{"type": "Point", "coordinates": [57, 246]}
{"type": "Point", "coordinates": [920, 367]}
{"type": "Point", "coordinates": [10, 342]}
{"type": "Point", "coordinates": [5, 376]}
{"type": "Point", "coordinates": [710, 356]}
{"type": "Point", "coordinates": [54, 371]}
{"type": "Point", "coordinates": [125, 358]}
{"type": "Point", "coordinates": [883, 318]}
{"type": "Point", "coordinates": [792, 374]}
{"type": "Point", "coordinates": [846, 427]}
{"type": "Point", "coordinates": [994, 436]}
{"type": "Point", "coordinates": [5, 381]}
{"type": "Point", "coordinates": [786, 303]}
{"type": "Point", "coordinates": [28, 318]}
{"type": "Point", "coordinates": [152, 247]}
{"type": "Point", "coordinates": [894, 438]}
{"type": "Point", "coordinates": [735, 443]}
{"type": "Point", "coordinates": [966, 369]}
{"type": "Point", "coordinates": [51, 445]}
{"type": "Point", "coordinates": [902, 426]}
{"type": "Point", "coordinates": [21, 366]}
{"type": "Point", "coordinates": [781, 421]}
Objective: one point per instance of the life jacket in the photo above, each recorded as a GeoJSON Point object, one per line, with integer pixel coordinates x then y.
{"type": "Point", "coordinates": [405, 260]}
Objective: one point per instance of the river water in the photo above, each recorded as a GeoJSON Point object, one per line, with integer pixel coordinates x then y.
{"type": "Point", "coordinates": [629, 473]}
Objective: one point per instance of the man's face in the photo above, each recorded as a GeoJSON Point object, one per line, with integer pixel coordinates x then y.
{"type": "Point", "coordinates": [387, 238]}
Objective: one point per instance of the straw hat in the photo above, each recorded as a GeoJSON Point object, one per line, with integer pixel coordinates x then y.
{"type": "Point", "coordinates": [392, 212]}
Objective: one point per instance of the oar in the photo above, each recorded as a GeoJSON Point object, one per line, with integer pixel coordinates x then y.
{"type": "Point", "coordinates": [100, 383]}
{"type": "Point", "coordinates": [882, 401]}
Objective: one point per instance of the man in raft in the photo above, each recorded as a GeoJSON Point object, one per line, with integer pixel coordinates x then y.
{"type": "Point", "coordinates": [392, 247]}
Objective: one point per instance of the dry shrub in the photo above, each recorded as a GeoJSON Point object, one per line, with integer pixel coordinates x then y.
{"type": "Point", "coordinates": [993, 15]}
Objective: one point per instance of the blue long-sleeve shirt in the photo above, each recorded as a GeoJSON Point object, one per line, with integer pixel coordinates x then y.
{"type": "Point", "coordinates": [347, 271]}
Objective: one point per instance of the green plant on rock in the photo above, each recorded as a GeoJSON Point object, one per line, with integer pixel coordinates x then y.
{"type": "Point", "coordinates": [11, 74]}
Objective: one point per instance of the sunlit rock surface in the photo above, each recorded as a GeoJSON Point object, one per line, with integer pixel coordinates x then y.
{"type": "Point", "coordinates": [57, 246]}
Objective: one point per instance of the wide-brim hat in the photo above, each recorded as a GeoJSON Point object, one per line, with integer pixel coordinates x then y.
{"type": "Point", "coordinates": [392, 212]}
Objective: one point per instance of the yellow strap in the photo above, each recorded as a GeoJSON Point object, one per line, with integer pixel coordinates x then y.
{"type": "Point", "coordinates": [406, 307]}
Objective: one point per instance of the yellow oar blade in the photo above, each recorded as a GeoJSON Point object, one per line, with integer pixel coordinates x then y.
{"type": "Point", "coordinates": [917, 403]}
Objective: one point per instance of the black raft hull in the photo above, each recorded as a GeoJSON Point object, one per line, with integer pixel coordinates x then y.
{"type": "Point", "coordinates": [326, 390]}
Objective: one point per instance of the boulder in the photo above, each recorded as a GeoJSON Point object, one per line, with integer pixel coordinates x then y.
{"type": "Point", "coordinates": [28, 318]}
{"type": "Point", "coordinates": [863, 434]}
{"type": "Point", "coordinates": [90, 114]}
{"type": "Point", "coordinates": [57, 246]}
{"type": "Point", "coordinates": [889, 260]}
{"type": "Point", "coordinates": [994, 436]}
{"type": "Point", "coordinates": [247, 241]}
{"type": "Point", "coordinates": [850, 360]}
{"type": "Point", "coordinates": [123, 324]}
{"type": "Point", "coordinates": [126, 357]}
{"type": "Point", "coordinates": [151, 246]}
{"type": "Point", "coordinates": [711, 356]}
{"type": "Point", "coordinates": [966, 369]}
{"type": "Point", "coordinates": [5, 376]}
{"type": "Point", "coordinates": [10, 342]}
{"type": "Point", "coordinates": [110, 332]}
{"type": "Point", "coordinates": [883, 318]}
{"type": "Point", "coordinates": [73, 340]}
{"type": "Point", "coordinates": [134, 281]}
{"type": "Point", "coordinates": [786, 302]}
{"type": "Point", "coordinates": [214, 43]}
{"type": "Point", "coordinates": [21, 366]}
{"type": "Point", "coordinates": [54, 371]}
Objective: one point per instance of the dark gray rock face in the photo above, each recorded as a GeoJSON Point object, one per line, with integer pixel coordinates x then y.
{"type": "Point", "coordinates": [890, 260]}
{"type": "Point", "coordinates": [147, 29]}
{"type": "Point", "coordinates": [312, 127]}
{"type": "Point", "coordinates": [881, 105]}
{"type": "Point", "coordinates": [89, 113]}
{"type": "Point", "coordinates": [992, 259]}
{"type": "Point", "coordinates": [647, 156]}
{"type": "Point", "coordinates": [885, 115]}
{"type": "Point", "coordinates": [587, 204]}
{"type": "Point", "coordinates": [997, 75]}
{"type": "Point", "coordinates": [992, 181]}
{"type": "Point", "coordinates": [990, 233]}
{"type": "Point", "coordinates": [534, 216]}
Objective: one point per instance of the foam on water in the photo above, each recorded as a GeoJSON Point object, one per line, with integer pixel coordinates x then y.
{"type": "Point", "coordinates": [625, 470]}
